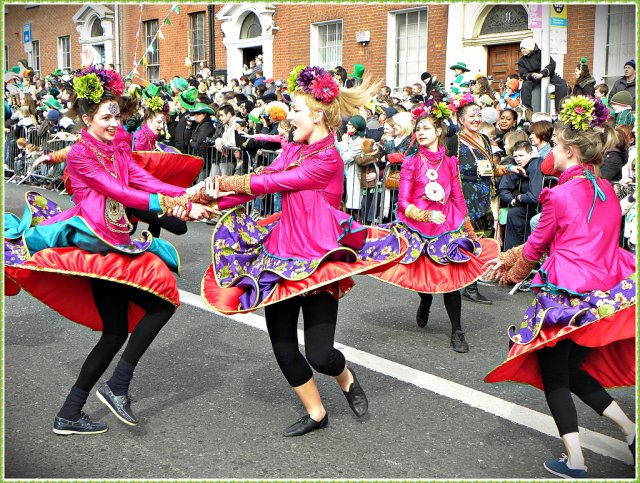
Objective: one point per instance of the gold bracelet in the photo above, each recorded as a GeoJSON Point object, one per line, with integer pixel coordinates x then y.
{"type": "Point", "coordinates": [237, 184]}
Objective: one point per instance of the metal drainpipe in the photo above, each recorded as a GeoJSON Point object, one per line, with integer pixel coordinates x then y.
{"type": "Point", "coordinates": [116, 61]}
{"type": "Point", "coordinates": [212, 43]}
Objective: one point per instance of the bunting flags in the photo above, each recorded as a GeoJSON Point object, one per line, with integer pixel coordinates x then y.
{"type": "Point", "coordinates": [159, 35]}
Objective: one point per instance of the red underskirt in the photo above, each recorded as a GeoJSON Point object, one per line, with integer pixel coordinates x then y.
{"type": "Point", "coordinates": [61, 279]}
{"type": "Point", "coordinates": [611, 362]}
{"type": "Point", "coordinates": [426, 276]}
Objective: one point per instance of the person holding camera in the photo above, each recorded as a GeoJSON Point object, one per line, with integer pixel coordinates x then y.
{"type": "Point", "coordinates": [202, 129]}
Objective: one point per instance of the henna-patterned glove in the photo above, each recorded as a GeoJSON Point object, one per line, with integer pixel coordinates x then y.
{"type": "Point", "coordinates": [468, 227]}
{"type": "Point", "coordinates": [169, 202]}
{"type": "Point", "coordinates": [200, 197]}
{"type": "Point", "coordinates": [237, 184]}
{"type": "Point", "coordinates": [417, 214]}
{"type": "Point", "coordinates": [516, 266]}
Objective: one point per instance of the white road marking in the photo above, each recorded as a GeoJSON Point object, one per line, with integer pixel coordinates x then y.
{"type": "Point", "coordinates": [543, 423]}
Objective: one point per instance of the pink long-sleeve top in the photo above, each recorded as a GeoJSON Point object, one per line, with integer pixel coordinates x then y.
{"type": "Point", "coordinates": [272, 138]}
{"type": "Point", "coordinates": [122, 136]}
{"type": "Point", "coordinates": [93, 185]}
{"type": "Point", "coordinates": [144, 139]}
{"type": "Point", "coordinates": [310, 178]}
{"type": "Point", "coordinates": [413, 180]}
{"type": "Point", "coordinates": [583, 255]}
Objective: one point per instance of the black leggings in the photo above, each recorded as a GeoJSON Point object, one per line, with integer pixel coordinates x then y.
{"type": "Point", "coordinates": [112, 301]}
{"type": "Point", "coordinates": [561, 376]}
{"type": "Point", "coordinates": [320, 313]}
{"type": "Point", "coordinates": [453, 304]}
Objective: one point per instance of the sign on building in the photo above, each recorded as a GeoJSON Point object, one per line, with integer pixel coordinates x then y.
{"type": "Point", "coordinates": [558, 29]}
{"type": "Point", "coordinates": [26, 37]}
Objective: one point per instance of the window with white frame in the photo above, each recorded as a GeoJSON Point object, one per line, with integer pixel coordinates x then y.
{"type": "Point", "coordinates": [197, 40]}
{"type": "Point", "coordinates": [621, 38]}
{"type": "Point", "coordinates": [64, 52]}
{"type": "Point", "coordinates": [153, 57]}
{"type": "Point", "coordinates": [410, 46]}
{"type": "Point", "coordinates": [35, 57]}
{"type": "Point", "coordinates": [329, 38]}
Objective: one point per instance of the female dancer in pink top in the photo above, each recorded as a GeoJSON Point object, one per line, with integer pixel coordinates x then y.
{"type": "Point", "coordinates": [304, 259]}
{"type": "Point", "coordinates": [578, 336]}
{"type": "Point", "coordinates": [444, 253]}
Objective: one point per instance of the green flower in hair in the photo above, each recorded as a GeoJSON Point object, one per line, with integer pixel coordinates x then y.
{"type": "Point", "coordinates": [292, 82]}
{"type": "Point", "coordinates": [440, 110]}
{"type": "Point", "coordinates": [577, 112]}
{"type": "Point", "coordinates": [89, 87]}
{"type": "Point", "coordinates": [156, 104]}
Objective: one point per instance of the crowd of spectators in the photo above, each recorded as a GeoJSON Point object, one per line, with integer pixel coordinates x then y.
{"type": "Point", "coordinates": [238, 125]}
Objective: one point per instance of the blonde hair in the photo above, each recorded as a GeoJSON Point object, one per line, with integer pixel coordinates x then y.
{"type": "Point", "coordinates": [487, 128]}
{"type": "Point", "coordinates": [590, 144]}
{"type": "Point", "coordinates": [404, 120]}
{"type": "Point", "coordinates": [346, 104]}
{"type": "Point", "coordinates": [511, 138]}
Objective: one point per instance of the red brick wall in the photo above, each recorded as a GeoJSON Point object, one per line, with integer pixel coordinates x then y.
{"type": "Point", "coordinates": [291, 44]}
{"type": "Point", "coordinates": [41, 18]}
{"type": "Point", "coordinates": [580, 31]}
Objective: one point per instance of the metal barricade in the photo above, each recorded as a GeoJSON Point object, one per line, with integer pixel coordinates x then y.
{"type": "Point", "coordinates": [265, 205]}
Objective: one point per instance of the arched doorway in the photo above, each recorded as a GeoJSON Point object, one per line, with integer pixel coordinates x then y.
{"type": "Point", "coordinates": [95, 26]}
{"type": "Point", "coordinates": [247, 32]}
{"type": "Point", "coordinates": [250, 29]}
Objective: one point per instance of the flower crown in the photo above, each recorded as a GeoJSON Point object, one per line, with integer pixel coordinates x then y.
{"type": "Point", "coordinates": [156, 104]}
{"type": "Point", "coordinates": [315, 81]}
{"type": "Point", "coordinates": [459, 101]}
{"type": "Point", "coordinates": [438, 110]}
{"type": "Point", "coordinates": [581, 113]}
{"type": "Point", "coordinates": [91, 83]}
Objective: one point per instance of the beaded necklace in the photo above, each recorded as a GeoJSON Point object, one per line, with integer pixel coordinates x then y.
{"type": "Point", "coordinates": [433, 190]}
{"type": "Point", "coordinates": [112, 158]}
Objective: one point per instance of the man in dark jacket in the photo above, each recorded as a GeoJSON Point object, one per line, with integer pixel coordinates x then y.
{"type": "Point", "coordinates": [531, 72]}
{"type": "Point", "coordinates": [626, 82]}
{"type": "Point", "coordinates": [521, 193]}
{"type": "Point", "coordinates": [179, 126]}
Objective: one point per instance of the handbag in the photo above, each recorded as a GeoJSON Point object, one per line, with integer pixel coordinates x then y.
{"type": "Point", "coordinates": [393, 180]}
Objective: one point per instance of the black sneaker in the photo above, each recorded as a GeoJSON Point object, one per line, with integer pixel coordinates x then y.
{"type": "Point", "coordinates": [84, 425]}
{"type": "Point", "coordinates": [119, 405]}
{"type": "Point", "coordinates": [458, 342]}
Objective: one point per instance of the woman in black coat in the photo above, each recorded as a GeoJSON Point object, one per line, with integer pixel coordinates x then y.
{"type": "Point", "coordinates": [585, 84]}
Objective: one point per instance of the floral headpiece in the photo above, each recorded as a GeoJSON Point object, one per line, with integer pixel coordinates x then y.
{"type": "Point", "coordinates": [581, 113]}
{"type": "Point", "coordinates": [460, 101]}
{"type": "Point", "coordinates": [156, 104]}
{"type": "Point", "coordinates": [91, 83]}
{"type": "Point", "coordinates": [438, 110]}
{"type": "Point", "coordinates": [315, 81]}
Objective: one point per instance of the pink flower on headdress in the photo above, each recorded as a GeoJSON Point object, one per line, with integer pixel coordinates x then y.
{"type": "Point", "coordinates": [115, 83]}
{"type": "Point", "coordinates": [580, 110]}
{"type": "Point", "coordinates": [324, 88]}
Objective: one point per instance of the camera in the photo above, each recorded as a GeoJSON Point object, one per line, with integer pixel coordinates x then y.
{"type": "Point", "coordinates": [264, 115]}
{"type": "Point", "coordinates": [191, 118]}
{"type": "Point", "coordinates": [279, 83]}
{"type": "Point", "coordinates": [472, 83]}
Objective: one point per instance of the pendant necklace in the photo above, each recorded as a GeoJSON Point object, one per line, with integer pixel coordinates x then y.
{"type": "Point", "coordinates": [433, 190]}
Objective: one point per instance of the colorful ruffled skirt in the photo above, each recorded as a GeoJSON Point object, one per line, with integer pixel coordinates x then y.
{"type": "Point", "coordinates": [244, 276]}
{"type": "Point", "coordinates": [438, 264]}
{"type": "Point", "coordinates": [55, 263]}
{"type": "Point", "coordinates": [603, 321]}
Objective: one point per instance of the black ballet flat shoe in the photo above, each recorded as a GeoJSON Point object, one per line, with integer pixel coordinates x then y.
{"type": "Point", "coordinates": [305, 425]}
{"type": "Point", "coordinates": [471, 294]}
{"type": "Point", "coordinates": [119, 405]}
{"type": "Point", "coordinates": [422, 316]}
{"type": "Point", "coordinates": [84, 425]}
{"type": "Point", "coordinates": [356, 397]}
{"type": "Point", "coordinates": [458, 342]}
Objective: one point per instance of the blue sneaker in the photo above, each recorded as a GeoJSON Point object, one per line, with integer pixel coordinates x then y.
{"type": "Point", "coordinates": [559, 468]}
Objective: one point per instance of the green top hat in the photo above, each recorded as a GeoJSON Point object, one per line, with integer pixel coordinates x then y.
{"type": "Point", "coordinates": [358, 71]}
{"type": "Point", "coordinates": [188, 98]}
{"type": "Point", "coordinates": [58, 72]}
{"type": "Point", "coordinates": [152, 90]}
{"type": "Point", "coordinates": [201, 108]}
{"type": "Point", "coordinates": [459, 65]}
{"type": "Point", "coordinates": [53, 104]}
{"type": "Point", "coordinates": [179, 84]}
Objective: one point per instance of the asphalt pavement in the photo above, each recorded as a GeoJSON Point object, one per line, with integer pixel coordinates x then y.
{"type": "Point", "coordinates": [212, 402]}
